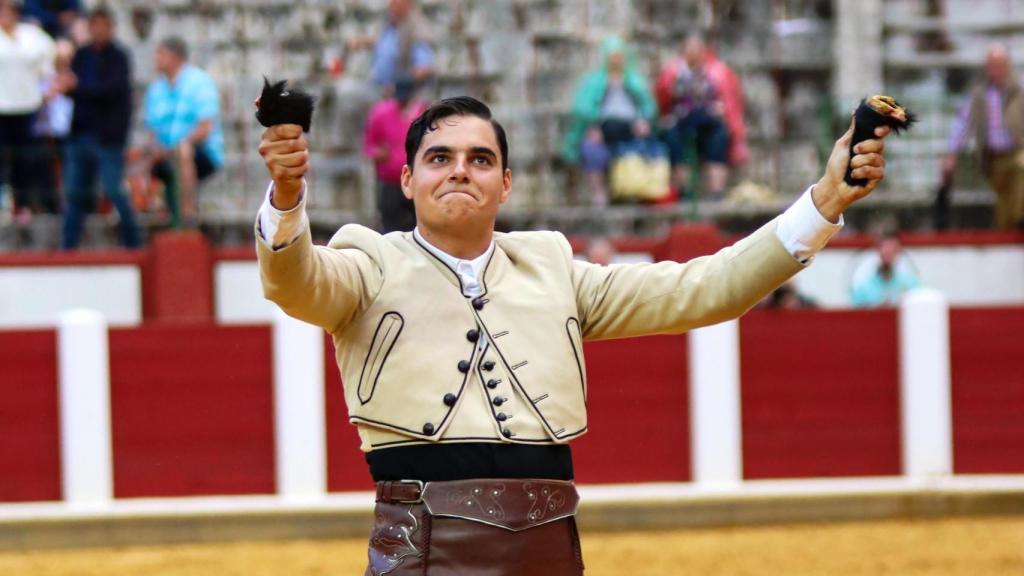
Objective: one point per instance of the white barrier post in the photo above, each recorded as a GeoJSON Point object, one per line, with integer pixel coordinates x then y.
{"type": "Point", "coordinates": [927, 430]}
{"type": "Point", "coordinates": [84, 371]}
{"type": "Point", "coordinates": [715, 405]}
{"type": "Point", "coordinates": [299, 419]}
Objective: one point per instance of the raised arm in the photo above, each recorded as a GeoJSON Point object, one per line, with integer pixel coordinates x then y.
{"type": "Point", "coordinates": [670, 297]}
{"type": "Point", "coordinates": [324, 286]}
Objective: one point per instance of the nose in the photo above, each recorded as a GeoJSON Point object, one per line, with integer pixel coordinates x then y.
{"type": "Point", "coordinates": [459, 172]}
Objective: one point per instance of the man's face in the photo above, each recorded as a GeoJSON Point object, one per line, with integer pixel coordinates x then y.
{"type": "Point", "coordinates": [889, 250]}
{"type": "Point", "coordinates": [8, 15]}
{"type": "Point", "coordinates": [458, 180]}
{"type": "Point", "coordinates": [167, 62]}
{"type": "Point", "coordinates": [693, 52]}
{"type": "Point", "coordinates": [399, 9]}
{"type": "Point", "coordinates": [101, 30]}
{"type": "Point", "coordinates": [997, 67]}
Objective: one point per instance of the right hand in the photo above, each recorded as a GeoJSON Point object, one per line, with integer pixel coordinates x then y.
{"type": "Point", "coordinates": [286, 153]}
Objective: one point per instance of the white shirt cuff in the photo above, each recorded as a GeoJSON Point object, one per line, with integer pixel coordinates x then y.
{"type": "Point", "coordinates": [803, 230]}
{"type": "Point", "coordinates": [280, 228]}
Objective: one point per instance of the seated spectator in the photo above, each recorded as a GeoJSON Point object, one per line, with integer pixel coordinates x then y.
{"type": "Point", "coordinates": [693, 114]}
{"type": "Point", "coordinates": [182, 113]}
{"type": "Point", "coordinates": [727, 84]}
{"type": "Point", "coordinates": [27, 57]}
{"type": "Point", "coordinates": [884, 276]}
{"type": "Point", "coordinates": [55, 17]}
{"type": "Point", "coordinates": [101, 87]}
{"type": "Point", "coordinates": [612, 106]}
{"type": "Point", "coordinates": [384, 143]}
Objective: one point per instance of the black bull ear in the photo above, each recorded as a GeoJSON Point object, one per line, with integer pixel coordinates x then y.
{"type": "Point", "coordinates": [279, 105]}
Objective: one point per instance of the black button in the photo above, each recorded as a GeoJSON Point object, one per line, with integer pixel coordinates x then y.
{"type": "Point", "coordinates": [492, 384]}
{"type": "Point", "coordinates": [428, 428]}
{"type": "Point", "coordinates": [463, 366]}
{"type": "Point", "coordinates": [449, 399]}
{"type": "Point", "coordinates": [499, 401]}
{"type": "Point", "coordinates": [473, 335]}
{"type": "Point", "coordinates": [506, 433]}
{"type": "Point", "coordinates": [478, 303]}
{"type": "Point", "coordinates": [502, 417]}
{"type": "Point", "coordinates": [489, 365]}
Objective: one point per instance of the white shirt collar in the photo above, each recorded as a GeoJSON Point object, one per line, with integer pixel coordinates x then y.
{"type": "Point", "coordinates": [469, 271]}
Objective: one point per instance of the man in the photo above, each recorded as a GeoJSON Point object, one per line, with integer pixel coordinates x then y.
{"type": "Point", "coordinates": [383, 142]}
{"type": "Point", "coordinates": [461, 348]}
{"type": "Point", "coordinates": [693, 111]}
{"type": "Point", "coordinates": [994, 116]}
{"type": "Point", "coordinates": [403, 48]}
{"type": "Point", "coordinates": [100, 85]}
{"type": "Point", "coordinates": [884, 277]}
{"type": "Point", "coordinates": [182, 111]}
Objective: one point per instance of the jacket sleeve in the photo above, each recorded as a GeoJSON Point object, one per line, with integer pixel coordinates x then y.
{"type": "Point", "coordinates": [621, 301]}
{"type": "Point", "coordinates": [325, 286]}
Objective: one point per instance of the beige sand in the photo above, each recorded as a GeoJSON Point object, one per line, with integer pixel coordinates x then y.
{"type": "Point", "coordinates": [965, 546]}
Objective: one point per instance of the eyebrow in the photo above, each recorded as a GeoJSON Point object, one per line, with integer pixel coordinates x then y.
{"type": "Point", "coordinates": [480, 150]}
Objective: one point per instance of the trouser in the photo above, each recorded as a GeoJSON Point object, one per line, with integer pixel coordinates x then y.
{"type": "Point", "coordinates": [493, 527]}
{"type": "Point", "coordinates": [17, 145]}
{"type": "Point", "coordinates": [1006, 175]}
{"type": "Point", "coordinates": [84, 156]}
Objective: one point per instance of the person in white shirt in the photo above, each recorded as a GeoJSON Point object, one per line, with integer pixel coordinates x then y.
{"type": "Point", "coordinates": [27, 57]}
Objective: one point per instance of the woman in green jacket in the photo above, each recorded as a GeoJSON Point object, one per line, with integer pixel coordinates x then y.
{"type": "Point", "coordinates": [613, 104]}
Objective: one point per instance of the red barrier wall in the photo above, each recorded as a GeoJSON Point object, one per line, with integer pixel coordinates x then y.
{"type": "Point", "coordinates": [192, 410]}
{"type": "Point", "coordinates": [346, 467]}
{"type": "Point", "coordinates": [820, 393]}
{"type": "Point", "coordinates": [29, 417]}
{"type": "Point", "coordinates": [987, 356]}
{"type": "Point", "coordinates": [638, 406]}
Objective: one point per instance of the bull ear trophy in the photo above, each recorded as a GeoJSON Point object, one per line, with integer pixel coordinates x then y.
{"type": "Point", "coordinates": [873, 112]}
{"type": "Point", "coordinates": [280, 105]}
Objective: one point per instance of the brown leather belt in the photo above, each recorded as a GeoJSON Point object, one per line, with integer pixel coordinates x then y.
{"type": "Point", "coordinates": [512, 504]}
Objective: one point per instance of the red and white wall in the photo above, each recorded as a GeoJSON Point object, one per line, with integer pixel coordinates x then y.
{"type": "Point", "coordinates": [204, 406]}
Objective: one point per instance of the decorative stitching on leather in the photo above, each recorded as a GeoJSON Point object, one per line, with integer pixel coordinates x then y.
{"type": "Point", "coordinates": [395, 536]}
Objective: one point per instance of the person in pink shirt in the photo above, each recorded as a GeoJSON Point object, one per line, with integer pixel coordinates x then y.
{"type": "Point", "coordinates": [384, 143]}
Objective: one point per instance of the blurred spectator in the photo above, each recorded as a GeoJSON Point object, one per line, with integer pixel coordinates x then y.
{"type": "Point", "coordinates": [182, 112]}
{"type": "Point", "coordinates": [994, 116]}
{"type": "Point", "coordinates": [612, 106]}
{"type": "Point", "coordinates": [693, 113]}
{"type": "Point", "coordinates": [883, 276]}
{"type": "Point", "coordinates": [26, 60]}
{"type": "Point", "coordinates": [384, 143]}
{"type": "Point", "coordinates": [727, 84]}
{"type": "Point", "coordinates": [100, 84]}
{"type": "Point", "coordinates": [787, 297]}
{"type": "Point", "coordinates": [402, 49]}
{"type": "Point", "coordinates": [50, 129]}
{"type": "Point", "coordinates": [56, 17]}
{"type": "Point", "coordinates": [599, 251]}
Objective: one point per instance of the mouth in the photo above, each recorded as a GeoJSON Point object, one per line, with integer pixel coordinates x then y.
{"type": "Point", "coordinates": [456, 192]}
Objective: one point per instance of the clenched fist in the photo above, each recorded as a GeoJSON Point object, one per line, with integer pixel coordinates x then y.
{"type": "Point", "coordinates": [286, 153]}
{"type": "Point", "coordinates": [831, 194]}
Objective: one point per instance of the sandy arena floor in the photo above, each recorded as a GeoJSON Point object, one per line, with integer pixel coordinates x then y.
{"type": "Point", "coordinates": [966, 546]}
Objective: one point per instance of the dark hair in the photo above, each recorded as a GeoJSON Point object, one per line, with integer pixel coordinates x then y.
{"type": "Point", "coordinates": [175, 45]}
{"type": "Point", "coordinates": [457, 106]}
{"type": "Point", "coordinates": [16, 5]}
{"type": "Point", "coordinates": [103, 12]}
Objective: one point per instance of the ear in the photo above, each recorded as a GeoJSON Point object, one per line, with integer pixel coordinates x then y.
{"type": "Point", "coordinates": [407, 181]}
{"type": "Point", "coordinates": [506, 188]}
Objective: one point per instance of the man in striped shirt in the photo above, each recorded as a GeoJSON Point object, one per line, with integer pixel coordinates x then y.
{"type": "Point", "coordinates": [994, 117]}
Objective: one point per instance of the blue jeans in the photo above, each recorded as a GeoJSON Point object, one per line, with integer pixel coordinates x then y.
{"type": "Point", "coordinates": [83, 155]}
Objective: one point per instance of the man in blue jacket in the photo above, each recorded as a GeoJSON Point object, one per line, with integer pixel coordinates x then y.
{"type": "Point", "coordinates": [100, 86]}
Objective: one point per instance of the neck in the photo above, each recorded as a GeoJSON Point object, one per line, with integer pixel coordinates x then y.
{"type": "Point", "coordinates": [172, 75]}
{"type": "Point", "coordinates": [9, 27]}
{"type": "Point", "coordinates": [465, 246]}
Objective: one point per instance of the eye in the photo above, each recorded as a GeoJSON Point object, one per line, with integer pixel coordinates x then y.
{"type": "Point", "coordinates": [482, 160]}
{"type": "Point", "coordinates": [438, 158]}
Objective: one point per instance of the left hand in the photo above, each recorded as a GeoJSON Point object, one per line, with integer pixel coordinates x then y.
{"type": "Point", "coordinates": [832, 195]}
